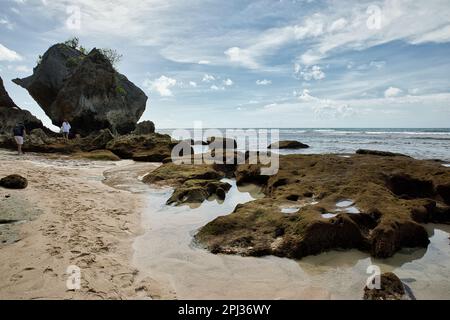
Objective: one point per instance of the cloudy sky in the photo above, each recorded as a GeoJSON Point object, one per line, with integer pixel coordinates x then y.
{"type": "Point", "coordinates": [267, 63]}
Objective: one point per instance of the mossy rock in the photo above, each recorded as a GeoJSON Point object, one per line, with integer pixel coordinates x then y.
{"type": "Point", "coordinates": [392, 195]}
{"type": "Point", "coordinates": [98, 155]}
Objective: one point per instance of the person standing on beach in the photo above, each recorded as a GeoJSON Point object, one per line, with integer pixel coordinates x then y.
{"type": "Point", "coordinates": [19, 133]}
{"type": "Point", "coordinates": [65, 129]}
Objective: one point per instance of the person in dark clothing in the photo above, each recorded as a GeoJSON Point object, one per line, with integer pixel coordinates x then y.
{"type": "Point", "coordinates": [19, 133]}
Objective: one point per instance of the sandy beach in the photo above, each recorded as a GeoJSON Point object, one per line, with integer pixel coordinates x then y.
{"type": "Point", "coordinates": [76, 219]}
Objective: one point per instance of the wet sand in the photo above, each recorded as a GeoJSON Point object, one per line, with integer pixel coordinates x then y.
{"type": "Point", "coordinates": [69, 217]}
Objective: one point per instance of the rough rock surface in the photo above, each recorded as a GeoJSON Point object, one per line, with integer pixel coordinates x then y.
{"type": "Point", "coordinates": [149, 148]}
{"type": "Point", "coordinates": [86, 90]}
{"type": "Point", "coordinates": [193, 183]}
{"type": "Point", "coordinates": [381, 217]}
{"type": "Point", "coordinates": [198, 190]}
{"type": "Point", "coordinates": [97, 155]}
{"type": "Point", "coordinates": [14, 181]}
{"type": "Point", "coordinates": [11, 114]}
{"type": "Point", "coordinates": [221, 143]}
{"type": "Point", "coordinates": [288, 144]}
{"type": "Point", "coordinates": [144, 127]}
{"type": "Point", "coordinates": [97, 140]}
{"type": "Point", "coordinates": [391, 288]}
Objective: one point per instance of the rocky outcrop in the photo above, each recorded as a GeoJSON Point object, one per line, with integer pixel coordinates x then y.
{"type": "Point", "coordinates": [391, 288]}
{"type": "Point", "coordinates": [193, 183]}
{"type": "Point", "coordinates": [149, 148]}
{"type": "Point", "coordinates": [288, 144]}
{"type": "Point", "coordinates": [97, 140]}
{"type": "Point", "coordinates": [221, 143]}
{"type": "Point", "coordinates": [14, 181]}
{"type": "Point", "coordinates": [86, 90]}
{"type": "Point", "coordinates": [11, 114]}
{"type": "Point", "coordinates": [380, 214]}
{"type": "Point", "coordinates": [379, 153]}
{"type": "Point", "coordinates": [173, 174]}
{"type": "Point", "coordinates": [144, 127]}
{"type": "Point", "coordinates": [97, 155]}
{"type": "Point", "coordinates": [197, 191]}
{"type": "Point", "coordinates": [38, 141]}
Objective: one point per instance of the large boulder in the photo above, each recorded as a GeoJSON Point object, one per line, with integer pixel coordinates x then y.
{"type": "Point", "coordinates": [97, 140]}
{"type": "Point", "coordinates": [11, 114]}
{"type": "Point", "coordinates": [148, 148]}
{"type": "Point", "coordinates": [145, 127]}
{"type": "Point", "coordinates": [86, 90]}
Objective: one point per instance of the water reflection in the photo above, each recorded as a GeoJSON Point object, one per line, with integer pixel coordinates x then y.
{"type": "Point", "coordinates": [167, 253]}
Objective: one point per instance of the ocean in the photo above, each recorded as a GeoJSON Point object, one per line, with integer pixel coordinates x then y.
{"type": "Point", "coordinates": [420, 143]}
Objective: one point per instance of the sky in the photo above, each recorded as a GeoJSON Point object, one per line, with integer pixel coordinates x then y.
{"type": "Point", "coordinates": [253, 64]}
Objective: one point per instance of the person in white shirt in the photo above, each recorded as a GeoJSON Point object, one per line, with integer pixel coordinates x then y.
{"type": "Point", "coordinates": [65, 129]}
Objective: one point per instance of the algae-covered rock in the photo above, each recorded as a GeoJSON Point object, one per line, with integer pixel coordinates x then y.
{"type": "Point", "coordinates": [366, 202]}
{"type": "Point", "coordinates": [391, 288]}
{"type": "Point", "coordinates": [149, 148]}
{"type": "Point", "coordinates": [197, 191]}
{"type": "Point", "coordinates": [193, 183]}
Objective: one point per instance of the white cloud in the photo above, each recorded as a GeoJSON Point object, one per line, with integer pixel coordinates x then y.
{"type": "Point", "coordinates": [263, 82]}
{"type": "Point", "coordinates": [5, 22]}
{"type": "Point", "coordinates": [9, 55]}
{"type": "Point", "coordinates": [270, 106]}
{"type": "Point", "coordinates": [228, 82]}
{"type": "Point", "coordinates": [392, 92]}
{"type": "Point", "coordinates": [334, 27]}
{"type": "Point", "coordinates": [325, 108]}
{"type": "Point", "coordinates": [208, 78]}
{"type": "Point", "coordinates": [204, 62]}
{"type": "Point", "coordinates": [338, 25]}
{"type": "Point", "coordinates": [309, 57]}
{"type": "Point", "coordinates": [309, 73]}
{"type": "Point", "coordinates": [241, 56]}
{"type": "Point", "coordinates": [161, 85]}
{"type": "Point", "coordinates": [273, 39]}
{"type": "Point", "coordinates": [193, 84]}
{"type": "Point", "coordinates": [404, 20]}
{"type": "Point", "coordinates": [216, 88]}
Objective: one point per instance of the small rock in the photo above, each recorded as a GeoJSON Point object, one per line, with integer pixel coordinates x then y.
{"type": "Point", "coordinates": [14, 181]}
{"type": "Point", "coordinates": [391, 288]}
{"type": "Point", "coordinates": [288, 144]}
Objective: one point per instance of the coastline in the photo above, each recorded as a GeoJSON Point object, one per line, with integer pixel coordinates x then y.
{"type": "Point", "coordinates": [78, 220]}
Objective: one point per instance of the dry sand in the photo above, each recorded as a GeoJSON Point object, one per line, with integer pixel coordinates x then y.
{"type": "Point", "coordinates": [76, 219]}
